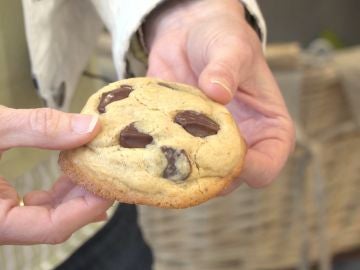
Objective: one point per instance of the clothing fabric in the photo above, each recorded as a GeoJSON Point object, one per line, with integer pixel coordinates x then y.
{"type": "Point", "coordinates": [255, 12]}
{"type": "Point", "coordinates": [118, 245]}
{"type": "Point", "coordinates": [62, 34]}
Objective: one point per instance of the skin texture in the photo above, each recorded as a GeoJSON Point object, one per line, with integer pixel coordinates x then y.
{"type": "Point", "coordinates": [65, 207]}
{"type": "Point", "coordinates": [214, 48]}
{"type": "Point", "coordinates": [206, 43]}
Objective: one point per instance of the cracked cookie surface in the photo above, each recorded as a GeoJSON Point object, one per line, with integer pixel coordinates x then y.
{"type": "Point", "coordinates": [162, 144]}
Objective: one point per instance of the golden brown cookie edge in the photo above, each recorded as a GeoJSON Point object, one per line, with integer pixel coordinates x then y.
{"type": "Point", "coordinates": [126, 195]}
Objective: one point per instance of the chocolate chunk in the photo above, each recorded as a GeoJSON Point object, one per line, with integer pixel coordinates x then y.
{"type": "Point", "coordinates": [197, 124]}
{"type": "Point", "coordinates": [166, 85]}
{"type": "Point", "coordinates": [115, 95]}
{"type": "Point", "coordinates": [130, 137]}
{"type": "Point", "coordinates": [178, 167]}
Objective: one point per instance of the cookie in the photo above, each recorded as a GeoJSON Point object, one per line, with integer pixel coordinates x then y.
{"type": "Point", "coordinates": [162, 144]}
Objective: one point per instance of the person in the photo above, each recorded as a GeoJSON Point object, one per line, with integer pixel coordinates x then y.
{"type": "Point", "coordinates": [214, 45]}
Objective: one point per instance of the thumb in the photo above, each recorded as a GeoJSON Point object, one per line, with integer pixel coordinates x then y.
{"type": "Point", "coordinates": [223, 53]}
{"type": "Point", "coordinates": [45, 128]}
{"type": "Point", "coordinates": [228, 65]}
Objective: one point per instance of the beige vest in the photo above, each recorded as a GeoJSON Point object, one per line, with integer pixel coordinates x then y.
{"type": "Point", "coordinates": [17, 89]}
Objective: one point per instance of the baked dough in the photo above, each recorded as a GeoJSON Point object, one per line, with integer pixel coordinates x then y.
{"type": "Point", "coordinates": [162, 144]}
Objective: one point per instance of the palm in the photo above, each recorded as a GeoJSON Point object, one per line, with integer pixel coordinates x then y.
{"type": "Point", "coordinates": [266, 129]}
{"type": "Point", "coordinates": [257, 106]}
{"type": "Point", "coordinates": [209, 44]}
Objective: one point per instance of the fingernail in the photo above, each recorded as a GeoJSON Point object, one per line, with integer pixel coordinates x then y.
{"type": "Point", "coordinates": [223, 85]}
{"type": "Point", "coordinates": [83, 124]}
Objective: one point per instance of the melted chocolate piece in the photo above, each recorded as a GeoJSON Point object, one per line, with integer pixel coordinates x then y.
{"type": "Point", "coordinates": [175, 159]}
{"type": "Point", "coordinates": [115, 95]}
{"type": "Point", "coordinates": [130, 137]}
{"type": "Point", "coordinates": [197, 124]}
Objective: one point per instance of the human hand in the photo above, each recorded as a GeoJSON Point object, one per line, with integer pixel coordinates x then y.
{"type": "Point", "coordinates": [47, 216]}
{"type": "Point", "coordinates": [209, 44]}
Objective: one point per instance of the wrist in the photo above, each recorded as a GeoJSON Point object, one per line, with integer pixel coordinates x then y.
{"type": "Point", "coordinates": [170, 15]}
{"type": "Point", "coordinates": [175, 15]}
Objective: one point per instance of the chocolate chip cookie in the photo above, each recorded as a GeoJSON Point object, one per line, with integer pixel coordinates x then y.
{"type": "Point", "coordinates": [162, 144]}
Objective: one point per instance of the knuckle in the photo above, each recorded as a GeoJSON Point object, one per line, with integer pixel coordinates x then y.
{"type": "Point", "coordinates": [242, 49]}
{"type": "Point", "coordinates": [245, 50]}
{"type": "Point", "coordinates": [44, 121]}
{"type": "Point", "coordinates": [239, 53]}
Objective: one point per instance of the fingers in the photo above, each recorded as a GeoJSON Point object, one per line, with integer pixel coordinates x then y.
{"type": "Point", "coordinates": [59, 191]}
{"type": "Point", "coordinates": [261, 166]}
{"type": "Point", "coordinates": [229, 64]}
{"type": "Point", "coordinates": [264, 162]}
{"type": "Point", "coordinates": [49, 217]}
{"type": "Point", "coordinates": [39, 198]}
{"type": "Point", "coordinates": [102, 217]}
{"type": "Point", "coordinates": [265, 159]}
{"type": "Point", "coordinates": [36, 224]}
{"type": "Point", "coordinates": [8, 196]}
{"type": "Point", "coordinates": [223, 54]}
{"type": "Point", "coordinates": [45, 128]}
{"type": "Point", "coordinates": [74, 214]}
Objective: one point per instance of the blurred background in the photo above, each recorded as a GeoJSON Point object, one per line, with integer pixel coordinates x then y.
{"type": "Point", "coordinates": [310, 217]}
{"type": "Point", "coordinates": [306, 20]}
